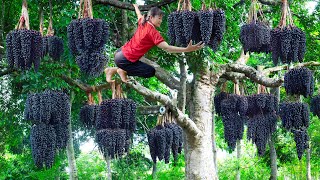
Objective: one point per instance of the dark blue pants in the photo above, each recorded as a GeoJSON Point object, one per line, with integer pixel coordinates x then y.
{"type": "Point", "coordinates": [133, 69]}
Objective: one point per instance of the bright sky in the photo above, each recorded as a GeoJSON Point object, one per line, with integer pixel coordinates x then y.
{"type": "Point", "coordinates": [311, 5]}
{"type": "Point", "coordinates": [140, 2]}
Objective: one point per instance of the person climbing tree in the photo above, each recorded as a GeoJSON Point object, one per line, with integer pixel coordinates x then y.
{"type": "Point", "coordinates": [145, 37]}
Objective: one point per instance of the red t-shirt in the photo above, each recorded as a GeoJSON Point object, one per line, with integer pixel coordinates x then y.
{"type": "Point", "coordinates": [143, 39]}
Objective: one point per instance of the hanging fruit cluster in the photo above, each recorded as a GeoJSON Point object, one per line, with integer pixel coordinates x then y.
{"type": "Point", "coordinates": [299, 81]}
{"type": "Point", "coordinates": [258, 111]}
{"type": "Point", "coordinates": [295, 117]}
{"type": "Point", "coordinates": [288, 42]}
{"type": "Point", "coordinates": [262, 113]}
{"type": "Point", "coordinates": [255, 36]}
{"type": "Point", "coordinates": [87, 37]}
{"type": "Point", "coordinates": [217, 101]}
{"type": "Point", "coordinates": [49, 113]}
{"type": "Point", "coordinates": [114, 121]}
{"type": "Point", "coordinates": [52, 45]}
{"type": "Point", "coordinates": [233, 110]}
{"type": "Point", "coordinates": [166, 137]}
{"type": "Point", "coordinates": [207, 26]}
{"type": "Point", "coordinates": [315, 106]}
{"type": "Point", "coordinates": [24, 46]}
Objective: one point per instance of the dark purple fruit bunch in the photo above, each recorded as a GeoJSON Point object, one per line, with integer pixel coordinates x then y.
{"type": "Point", "coordinates": [24, 48]}
{"type": "Point", "coordinates": [288, 44]}
{"type": "Point", "coordinates": [299, 81]}
{"type": "Point", "coordinates": [255, 37]}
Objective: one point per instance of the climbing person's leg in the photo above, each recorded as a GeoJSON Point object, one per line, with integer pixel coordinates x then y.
{"type": "Point", "coordinates": [129, 68]}
{"type": "Point", "coordinates": [140, 69]}
{"type": "Point", "coordinates": [123, 75]}
{"type": "Point", "coordinates": [109, 73]}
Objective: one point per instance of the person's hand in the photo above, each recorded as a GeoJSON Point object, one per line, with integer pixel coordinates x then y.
{"type": "Point", "coordinates": [195, 47]}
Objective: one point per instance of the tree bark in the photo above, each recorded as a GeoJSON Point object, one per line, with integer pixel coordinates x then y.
{"type": "Point", "coordinates": [109, 174]}
{"type": "Point", "coordinates": [182, 93]}
{"type": "Point", "coordinates": [154, 170]}
{"type": "Point", "coordinates": [73, 173]}
{"type": "Point", "coordinates": [2, 29]}
{"type": "Point", "coordinates": [124, 29]}
{"type": "Point", "coordinates": [238, 158]}
{"type": "Point", "coordinates": [199, 161]}
{"type": "Point", "coordinates": [273, 153]}
{"type": "Point", "coordinates": [308, 163]}
{"type": "Point", "coordinates": [214, 147]}
{"type": "Point", "coordinates": [273, 158]}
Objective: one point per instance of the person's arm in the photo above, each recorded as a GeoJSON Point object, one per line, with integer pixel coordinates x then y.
{"type": "Point", "coordinates": [174, 49]}
{"type": "Point", "coordinates": [137, 11]}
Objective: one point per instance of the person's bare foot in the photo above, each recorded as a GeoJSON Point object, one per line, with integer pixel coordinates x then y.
{"type": "Point", "coordinates": [123, 75]}
{"type": "Point", "coordinates": [109, 73]}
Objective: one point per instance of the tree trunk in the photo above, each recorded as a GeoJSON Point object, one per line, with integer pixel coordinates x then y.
{"type": "Point", "coordinates": [199, 161]}
{"type": "Point", "coordinates": [124, 29]}
{"type": "Point", "coordinates": [273, 153]}
{"type": "Point", "coordinates": [2, 28]}
{"type": "Point", "coordinates": [109, 174]}
{"type": "Point", "coordinates": [154, 171]}
{"type": "Point", "coordinates": [73, 174]}
{"type": "Point", "coordinates": [308, 163]}
{"type": "Point", "coordinates": [238, 159]}
{"type": "Point", "coordinates": [214, 148]}
{"type": "Point", "coordinates": [273, 158]}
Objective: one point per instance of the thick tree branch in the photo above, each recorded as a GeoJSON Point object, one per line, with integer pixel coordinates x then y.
{"type": "Point", "coordinates": [182, 119]}
{"type": "Point", "coordinates": [85, 87]}
{"type": "Point", "coordinates": [254, 75]}
{"type": "Point", "coordinates": [163, 75]}
{"type": "Point", "coordinates": [146, 110]}
{"type": "Point", "coordinates": [128, 6]}
{"type": "Point", "coordinates": [232, 76]}
{"type": "Point", "coordinates": [284, 67]}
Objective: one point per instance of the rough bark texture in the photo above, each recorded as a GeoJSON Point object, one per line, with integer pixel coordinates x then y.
{"type": "Point", "coordinates": [199, 161]}
{"type": "Point", "coordinates": [109, 174]}
{"type": "Point", "coordinates": [182, 93]}
{"type": "Point", "coordinates": [182, 119]}
{"type": "Point", "coordinates": [308, 163]}
{"type": "Point", "coordinates": [273, 153]}
{"type": "Point", "coordinates": [124, 29]}
{"type": "Point", "coordinates": [273, 157]}
{"type": "Point", "coordinates": [73, 173]}
{"type": "Point", "coordinates": [254, 75]}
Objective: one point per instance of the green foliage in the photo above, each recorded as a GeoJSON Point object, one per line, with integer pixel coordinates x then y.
{"type": "Point", "coordinates": [91, 166]}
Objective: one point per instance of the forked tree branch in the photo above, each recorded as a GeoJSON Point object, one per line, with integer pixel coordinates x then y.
{"type": "Point", "coordinates": [254, 75]}
{"type": "Point", "coordinates": [284, 67]}
{"type": "Point", "coordinates": [182, 119]}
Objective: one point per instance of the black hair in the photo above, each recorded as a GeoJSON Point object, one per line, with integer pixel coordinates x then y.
{"type": "Point", "coordinates": [154, 11]}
